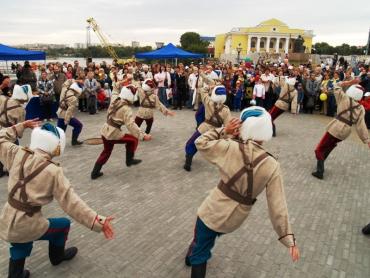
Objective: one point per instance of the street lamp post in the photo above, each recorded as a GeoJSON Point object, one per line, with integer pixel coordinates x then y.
{"type": "Point", "coordinates": [239, 49]}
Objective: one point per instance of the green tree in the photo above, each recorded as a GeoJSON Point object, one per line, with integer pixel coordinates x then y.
{"type": "Point", "coordinates": [191, 41]}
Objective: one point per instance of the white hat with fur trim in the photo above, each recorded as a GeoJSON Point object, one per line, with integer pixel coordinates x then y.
{"type": "Point", "coordinates": [218, 94]}
{"type": "Point", "coordinates": [356, 92]}
{"type": "Point", "coordinates": [48, 138]}
{"type": "Point", "coordinates": [22, 93]}
{"type": "Point", "coordinates": [256, 124]}
{"type": "Point", "coordinates": [128, 93]}
{"type": "Point", "coordinates": [148, 85]}
{"type": "Point", "coordinates": [77, 88]}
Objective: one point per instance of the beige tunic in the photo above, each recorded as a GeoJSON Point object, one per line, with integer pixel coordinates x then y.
{"type": "Point", "coordinates": [149, 102]}
{"type": "Point", "coordinates": [123, 116]}
{"type": "Point", "coordinates": [224, 215]}
{"type": "Point", "coordinates": [15, 115]}
{"type": "Point", "coordinates": [209, 106]}
{"type": "Point", "coordinates": [15, 225]}
{"type": "Point", "coordinates": [342, 130]}
{"type": "Point", "coordinates": [288, 96]}
{"type": "Point", "coordinates": [71, 100]}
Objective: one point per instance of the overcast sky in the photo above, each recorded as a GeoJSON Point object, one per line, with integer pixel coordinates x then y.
{"type": "Point", "coordinates": [49, 21]}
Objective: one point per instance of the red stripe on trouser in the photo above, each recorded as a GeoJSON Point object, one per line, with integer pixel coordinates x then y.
{"type": "Point", "coordinates": [275, 112]}
{"type": "Point", "coordinates": [58, 230]}
{"type": "Point", "coordinates": [128, 139]}
{"type": "Point", "coordinates": [327, 143]}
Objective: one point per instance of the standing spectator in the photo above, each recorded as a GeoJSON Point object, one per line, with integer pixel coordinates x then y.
{"type": "Point", "coordinates": [238, 96]}
{"type": "Point", "coordinates": [91, 90]}
{"type": "Point", "coordinates": [5, 86]}
{"type": "Point", "coordinates": [366, 104]}
{"type": "Point", "coordinates": [76, 69]}
{"type": "Point", "coordinates": [46, 92]}
{"type": "Point", "coordinates": [163, 80]}
{"type": "Point", "coordinates": [146, 74]}
{"type": "Point", "coordinates": [300, 97]}
{"type": "Point", "coordinates": [259, 92]}
{"type": "Point", "coordinates": [58, 79]}
{"type": "Point", "coordinates": [69, 73]}
{"type": "Point", "coordinates": [312, 88]}
{"type": "Point", "coordinates": [181, 88]}
{"type": "Point", "coordinates": [28, 76]}
{"type": "Point", "coordinates": [267, 79]}
{"type": "Point", "coordinates": [192, 82]}
{"type": "Point", "coordinates": [332, 105]}
{"type": "Point", "coordinates": [324, 90]}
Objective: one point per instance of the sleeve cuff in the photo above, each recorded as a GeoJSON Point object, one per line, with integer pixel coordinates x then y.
{"type": "Point", "coordinates": [18, 129]}
{"type": "Point", "coordinates": [98, 223]}
{"type": "Point", "coordinates": [288, 240]}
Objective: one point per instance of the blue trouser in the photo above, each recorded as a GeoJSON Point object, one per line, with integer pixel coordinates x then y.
{"type": "Point", "coordinates": [56, 234]}
{"type": "Point", "coordinates": [190, 148]}
{"type": "Point", "coordinates": [202, 244]}
{"type": "Point", "coordinates": [238, 101]}
{"type": "Point", "coordinates": [200, 115]}
{"type": "Point", "coordinates": [163, 95]}
{"type": "Point", "coordinates": [76, 124]}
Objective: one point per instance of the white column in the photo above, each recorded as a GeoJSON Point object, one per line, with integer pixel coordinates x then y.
{"type": "Point", "coordinates": [286, 45]}
{"type": "Point", "coordinates": [268, 44]}
{"type": "Point", "coordinates": [249, 44]}
{"type": "Point", "coordinates": [277, 45]}
{"type": "Point", "coordinates": [258, 44]}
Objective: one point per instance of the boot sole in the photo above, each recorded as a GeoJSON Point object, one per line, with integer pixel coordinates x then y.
{"type": "Point", "coordinates": [317, 176]}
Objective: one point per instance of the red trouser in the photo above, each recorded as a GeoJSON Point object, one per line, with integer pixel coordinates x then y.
{"type": "Point", "coordinates": [327, 143]}
{"type": "Point", "coordinates": [275, 112]}
{"type": "Point", "coordinates": [131, 146]}
{"type": "Point", "coordinates": [149, 123]}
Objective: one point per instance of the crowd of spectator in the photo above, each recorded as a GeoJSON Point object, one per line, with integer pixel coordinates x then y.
{"type": "Point", "coordinates": [176, 84]}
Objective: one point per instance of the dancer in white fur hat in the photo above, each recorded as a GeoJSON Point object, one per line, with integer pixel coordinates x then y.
{"type": "Point", "coordinates": [246, 169]}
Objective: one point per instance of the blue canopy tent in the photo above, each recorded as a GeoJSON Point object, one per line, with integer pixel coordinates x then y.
{"type": "Point", "coordinates": [8, 53]}
{"type": "Point", "coordinates": [167, 52]}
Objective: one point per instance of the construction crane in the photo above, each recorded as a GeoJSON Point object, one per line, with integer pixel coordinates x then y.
{"type": "Point", "coordinates": [104, 41]}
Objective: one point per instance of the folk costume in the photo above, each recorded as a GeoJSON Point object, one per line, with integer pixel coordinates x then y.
{"type": "Point", "coordinates": [34, 181]}
{"type": "Point", "coordinates": [120, 114]}
{"type": "Point", "coordinates": [349, 113]}
{"type": "Point", "coordinates": [246, 169]}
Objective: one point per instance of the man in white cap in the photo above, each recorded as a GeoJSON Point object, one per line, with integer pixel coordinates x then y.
{"type": "Point", "coordinates": [148, 102]}
{"type": "Point", "coordinates": [71, 91]}
{"type": "Point", "coordinates": [120, 114]}
{"type": "Point", "coordinates": [12, 110]}
{"type": "Point", "coordinates": [349, 112]}
{"type": "Point", "coordinates": [146, 74]}
{"type": "Point", "coordinates": [216, 115]}
{"type": "Point", "coordinates": [287, 100]}
{"type": "Point", "coordinates": [246, 169]}
{"type": "Point", "coordinates": [34, 181]}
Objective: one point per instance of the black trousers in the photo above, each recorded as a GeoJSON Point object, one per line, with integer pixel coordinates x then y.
{"type": "Point", "coordinates": [46, 109]}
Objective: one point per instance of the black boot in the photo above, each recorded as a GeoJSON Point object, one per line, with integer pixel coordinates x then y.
{"type": "Point", "coordinates": [96, 171]}
{"type": "Point", "coordinates": [366, 229]}
{"type": "Point", "coordinates": [320, 170]}
{"type": "Point", "coordinates": [75, 142]}
{"type": "Point", "coordinates": [16, 269]}
{"type": "Point", "coordinates": [58, 254]}
{"type": "Point", "coordinates": [199, 271]}
{"type": "Point", "coordinates": [130, 159]}
{"type": "Point", "coordinates": [273, 130]}
{"type": "Point", "coordinates": [188, 161]}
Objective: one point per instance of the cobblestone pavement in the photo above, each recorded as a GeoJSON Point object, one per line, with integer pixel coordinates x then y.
{"type": "Point", "coordinates": [155, 205]}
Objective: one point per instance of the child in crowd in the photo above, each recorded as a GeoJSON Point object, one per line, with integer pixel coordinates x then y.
{"type": "Point", "coordinates": [300, 97]}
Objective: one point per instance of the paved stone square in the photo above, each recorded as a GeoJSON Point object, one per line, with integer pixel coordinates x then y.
{"type": "Point", "coordinates": [155, 205]}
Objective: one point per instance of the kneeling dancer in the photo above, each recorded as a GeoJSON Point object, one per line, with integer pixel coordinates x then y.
{"type": "Point", "coordinates": [349, 112]}
{"type": "Point", "coordinates": [216, 115]}
{"type": "Point", "coordinates": [119, 114]}
{"type": "Point", "coordinates": [246, 169]}
{"type": "Point", "coordinates": [148, 102]}
{"type": "Point", "coordinates": [71, 91]}
{"type": "Point", "coordinates": [35, 180]}
{"type": "Point", "coordinates": [287, 100]}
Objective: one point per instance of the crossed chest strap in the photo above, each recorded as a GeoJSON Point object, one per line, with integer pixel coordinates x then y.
{"type": "Point", "coordinates": [63, 103]}
{"type": "Point", "coordinates": [23, 204]}
{"type": "Point", "coordinates": [4, 113]}
{"type": "Point", "coordinates": [246, 169]}
{"type": "Point", "coordinates": [215, 119]}
{"type": "Point", "coordinates": [351, 108]}
{"type": "Point", "coordinates": [147, 103]}
{"type": "Point", "coordinates": [289, 100]}
{"type": "Point", "coordinates": [110, 120]}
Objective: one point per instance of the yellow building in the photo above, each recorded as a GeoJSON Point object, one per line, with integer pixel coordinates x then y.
{"type": "Point", "coordinates": [270, 36]}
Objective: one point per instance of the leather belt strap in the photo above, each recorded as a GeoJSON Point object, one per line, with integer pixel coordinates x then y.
{"type": "Point", "coordinates": [351, 108]}
{"type": "Point", "coordinates": [7, 122]}
{"type": "Point", "coordinates": [113, 124]}
{"type": "Point", "coordinates": [248, 169]}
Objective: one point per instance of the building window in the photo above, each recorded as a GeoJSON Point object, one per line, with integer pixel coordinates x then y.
{"type": "Point", "coordinates": [280, 45]}
{"type": "Point", "coordinates": [262, 44]}
{"type": "Point", "coordinates": [253, 44]}
{"type": "Point", "coordinates": [271, 44]}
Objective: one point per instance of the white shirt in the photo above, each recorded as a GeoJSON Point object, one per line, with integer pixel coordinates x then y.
{"type": "Point", "coordinates": [147, 75]}
{"type": "Point", "coordinates": [259, 91]}
{"type": "Point", "coordinates": [161, 76]}
{"type": "Point", "coordinates": [192, 81]}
